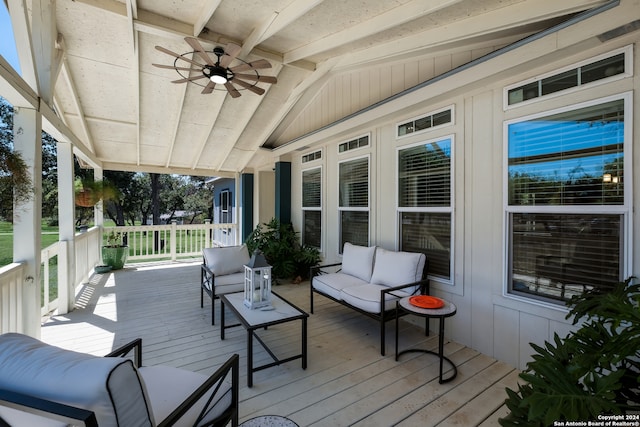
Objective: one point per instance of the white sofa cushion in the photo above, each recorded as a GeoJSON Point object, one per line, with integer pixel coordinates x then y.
{"type": "Point", "coordinates": [367, 297]}
{"type": "Point", "coordinates": [332, 284]}
{"type": "Point", "coordinates": [358, 260]}
{"type": "Point", "coordinates": [397, 268]}
{"type": "Point", "coordinates": [168, 387]}
{"type": "Point", "coordinates": [15, 417]}
{"type": "Point", "coordinates": [226, 260]}
{"type": "Point", "coordinates": [108, 386]}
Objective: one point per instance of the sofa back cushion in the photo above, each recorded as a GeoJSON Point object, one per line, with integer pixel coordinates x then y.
{"type": "Point", "coordinates": [397, 268]}
{"type": "Point", "coordinates": [226, 260]}
{"type": "Point", "coordinates": [108, 386]}
{"type": "Point", "coordinates": [357, 260]}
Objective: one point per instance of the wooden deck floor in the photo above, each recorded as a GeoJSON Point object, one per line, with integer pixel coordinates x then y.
{"type": "Point", "coordinates": [347, 381]}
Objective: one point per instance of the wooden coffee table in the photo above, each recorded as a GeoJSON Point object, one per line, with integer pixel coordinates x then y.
{"type": "Point", "coordinates": [283, 311]}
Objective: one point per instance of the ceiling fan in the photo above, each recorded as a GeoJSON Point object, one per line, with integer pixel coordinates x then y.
{"type": "Point", "coordinates": [217, 70]}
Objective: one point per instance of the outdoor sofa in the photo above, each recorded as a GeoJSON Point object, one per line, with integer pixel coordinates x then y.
{"type": "Point", "coordinates": [370, 280]}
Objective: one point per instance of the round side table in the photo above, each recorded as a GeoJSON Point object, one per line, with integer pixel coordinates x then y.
{"type": "Point", "coordinates": [448, 310]}
{"type": "Point", "coordinates": [269, 421]}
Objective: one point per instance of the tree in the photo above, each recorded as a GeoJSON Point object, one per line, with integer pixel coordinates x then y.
{"type": "Point", "coordinates": [15, 183]}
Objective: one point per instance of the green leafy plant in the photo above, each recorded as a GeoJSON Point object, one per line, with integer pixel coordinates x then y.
{"type": "Point", "coordinates": [281, 247]}
{"type": "Point", "coordinates": [113, 239]}
{"type": "Point", "coordinates": [89, 192]}
{"type": "Point", "coordinates": [594, 370]}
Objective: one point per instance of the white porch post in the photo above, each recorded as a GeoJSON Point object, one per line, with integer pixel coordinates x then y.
{"type": "Point", "coordinates": [66, 217]}
{"type": "Point", "coordinates": [98, 210]}
{"type": "Point", "coordinates": [27, 217]}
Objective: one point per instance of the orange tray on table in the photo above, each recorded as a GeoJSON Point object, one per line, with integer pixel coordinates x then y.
{"type": "Point", "coordinates": [426, 301]}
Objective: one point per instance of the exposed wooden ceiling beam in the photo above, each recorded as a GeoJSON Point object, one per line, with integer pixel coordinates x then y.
{"type": "Point", "coordinates": [18, 11]}
{"type": "Point", "coordinates": [494, 21]}
{"type": "Point", "coordinates": [206, 12]}
{"type": "Point", "coordinates": [392, 18]}
{"type": "Point", "coordinates": [77, 104]}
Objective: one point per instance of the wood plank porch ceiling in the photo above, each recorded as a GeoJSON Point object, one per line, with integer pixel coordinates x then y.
{"type": "Point", "coordinates": [130, 117]}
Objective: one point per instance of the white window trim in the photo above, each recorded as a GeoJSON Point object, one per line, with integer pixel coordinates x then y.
{"type": "Point", "coordinates": [450, 209]}
{"type": "Point", "coordinates": [310, 162]}
{"type": "Point", "coordinates": [626, 209]}
{"type": "Point", "coordinates": [368, 134]}
{"type": "Point", "coordinates": [353, 209]}
{"type": "Point", "coordinates": [320, 209]}
{"type": "Point", "coordinates": [431, 113]}
{"type": "Point", "coordinates": [628, 72]}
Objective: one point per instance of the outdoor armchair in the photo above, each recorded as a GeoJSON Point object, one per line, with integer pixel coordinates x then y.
{"type": "Point", "coordinates": [222, 272]}
{"type": "Point", "coordinates": [43, 385]}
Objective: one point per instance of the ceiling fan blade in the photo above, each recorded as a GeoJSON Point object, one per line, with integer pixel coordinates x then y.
{"type": "Point", "coordinates": [189, 79]}
{"type": "Point", "coordinates": [232, 90]}
{"type": "Point", "coordinates": [231, 50]}
{"type": "Point", "coordinates": [255, 65]}
{"type": "Point", "coordinates": [195, 44]}
{"type": "Point", "coordinates": [171, 67]}
{"type": "Point", "coordinates": [208, 88]}
{"type": "Point", "coordinates": [257, 78]}
{"type": "Point", "coordinates": [168, 52]}
{"type": "Point", "coordinates": [248, 86]}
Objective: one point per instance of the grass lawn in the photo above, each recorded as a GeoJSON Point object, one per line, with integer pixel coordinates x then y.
{"type": "Point", "coordinates": [49, 236]}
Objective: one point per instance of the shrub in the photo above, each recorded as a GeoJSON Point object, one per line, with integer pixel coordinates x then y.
{"type": "Point", "coordinates": [280, 245]}
{"type": "Point", "coordinates": [594, 370]}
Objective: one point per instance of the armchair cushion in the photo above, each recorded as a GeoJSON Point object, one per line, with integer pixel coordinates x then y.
{"type": "Point", "coordinates": [168, 387]}
{"type": "Point", "coordinates": [226, 260]}
{"type": "Point", "coordinates": [110, 387]}
{"type": "Point", "coordinates": [358, 260]}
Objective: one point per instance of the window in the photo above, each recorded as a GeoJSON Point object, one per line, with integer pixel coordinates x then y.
{"type": "Point", "coordinates": [353, 202]}
{"type": "Point", "coordinates": [225, 203]}
{"type": "Point", "coordinates": [566, 205]}
{"type": "Point", "coordinates": [591, 71]}
{"type": "Point", "coordinates": [426, 122]}
{"type": "Point", "coordinates": [316, 155]}
{"type": "Point", "coordinates": [363, 141]}
{"type": "Point", "coordinates": [425, 206]}
{"type": "Point", "coordinates": [312, 207]}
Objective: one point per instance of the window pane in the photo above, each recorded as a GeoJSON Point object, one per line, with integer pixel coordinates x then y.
{"type": "Point", "coordinates": [555, 256]}
{"type": "Point", "coordinates": [571, 158]}
{"type": "Point", "coordinates": [354, 183]}
{"type": "Point", "coordinates": [559, 82]}
{"type": "Point", "coordinates": [354, 228]}
{"type": "Point", "coordinates": [523, 93]}
{"type": "Point", "coordinates": [311, 233]}
{"type": "Point", "coordinates": [442, 118]}
{"type": "Point", "coordinates": [425, 175]}
{"type": "Point", "coordinates": [602, 69]}
{"type": "Point", "coordinates": [311, 188]}
{"type": "Point", "coordinates": [429, 233]}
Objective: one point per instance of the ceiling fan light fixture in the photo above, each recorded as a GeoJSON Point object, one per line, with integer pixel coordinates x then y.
{"type": "Point", "coordinates": [218, 78]}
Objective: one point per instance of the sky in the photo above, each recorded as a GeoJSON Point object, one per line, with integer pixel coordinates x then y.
{"type": "Point", "coordinates": [7, 44]}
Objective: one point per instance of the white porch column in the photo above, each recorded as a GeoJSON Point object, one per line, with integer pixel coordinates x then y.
{"type": "Point", "coordinates": [66, 217]}
{"type": "Point", "coordinates": [98, 210]}
{"type": "Point", "coordinates": [27, 217]}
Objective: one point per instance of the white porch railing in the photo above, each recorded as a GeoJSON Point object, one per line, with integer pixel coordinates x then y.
{"type": "Point", "coordinates": [11, 281]}
{"type": "Point", "coordinates": [173, 242]}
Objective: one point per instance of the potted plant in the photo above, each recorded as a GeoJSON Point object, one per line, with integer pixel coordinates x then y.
{"type": "Point", "coordinates": [89, 192]}
{"type": "Point", "coordinates": [114, 252]}
{"type": "Point", "coordinates": [594, 370]}
{"type": "Point", "coordinates": [280, 244]}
